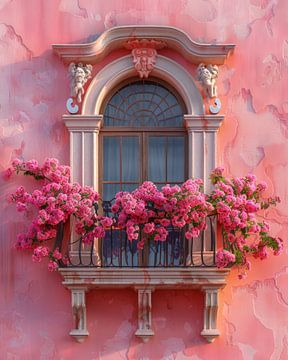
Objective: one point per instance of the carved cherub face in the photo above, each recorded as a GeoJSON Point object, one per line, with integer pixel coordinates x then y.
{"type": "Point", "coordinates": [79, 74]}
{"type": "Point", "coordinates": [205, 74]}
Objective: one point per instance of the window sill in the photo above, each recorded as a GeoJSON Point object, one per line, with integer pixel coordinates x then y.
{"type": "Point", "coordinates": [144, 281]}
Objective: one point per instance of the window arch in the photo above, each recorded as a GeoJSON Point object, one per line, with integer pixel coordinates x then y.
{"type": "Point", "coordinates": [144, 103]}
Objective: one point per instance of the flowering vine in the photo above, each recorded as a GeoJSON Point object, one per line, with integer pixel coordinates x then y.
{"type": "Point", "coordinates": [236, 202]}
{"type": "Point", "coordinates": [147, 210]}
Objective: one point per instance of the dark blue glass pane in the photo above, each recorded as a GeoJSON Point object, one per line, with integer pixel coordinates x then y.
{"type": "Point", "coordinates": [157, 158]}
{"type": "Point", "coordinates": [130, 158]}
{"type": "Point", "coordinates": [175, 159]}
{"type": "Point", "coordinates": [144, 104]}
{"type": "Point", "coordinates": [111, 161]}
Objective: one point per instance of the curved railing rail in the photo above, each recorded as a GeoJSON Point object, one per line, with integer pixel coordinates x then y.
{"type": "Point", "coordinates": [116, 251]}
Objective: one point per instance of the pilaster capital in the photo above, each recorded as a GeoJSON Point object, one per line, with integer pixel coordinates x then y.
{"type": "Point", "coordinates": [87, 123]}
{"type": "Point", "coordinates": [203, 123]}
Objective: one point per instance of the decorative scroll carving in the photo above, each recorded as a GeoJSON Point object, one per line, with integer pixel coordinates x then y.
{"type": "Point", "coordinates": [144, 330]}
{"type": "Point", "coordinates": [214, 109]}
{"type": "Point", "coordinates": [208, 75]}
{"type": "Point", "coordinates": [79, 313]}
{"type": "Point", "coordinates": [73, 109]}
{"type": "Point", "coordinates": [210, 331]}
{"type": "Point", "coordinates": [144, 54]}
{"type": "Point", "coordinates": [79, 75]}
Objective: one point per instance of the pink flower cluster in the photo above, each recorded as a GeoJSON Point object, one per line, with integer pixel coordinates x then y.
{"type": "Point", "coordinates": [224, 258]}
{"type": "Point", "coordinates": [153, 210]}
{"type": "Point", "coordinates": [236, 202]}
{"type": "Point", "coordinates": [54, 202]}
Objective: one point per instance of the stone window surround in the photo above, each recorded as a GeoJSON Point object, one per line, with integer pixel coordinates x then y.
{"type": "Point", "coordinates": [202, 144]}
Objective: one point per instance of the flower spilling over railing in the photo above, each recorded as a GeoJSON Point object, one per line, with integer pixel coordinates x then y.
{"type": "Point", "coordinates": [146, 214]}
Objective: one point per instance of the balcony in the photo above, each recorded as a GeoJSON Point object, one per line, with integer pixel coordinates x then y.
{"type": "Point", "coordinates": [116, 262]}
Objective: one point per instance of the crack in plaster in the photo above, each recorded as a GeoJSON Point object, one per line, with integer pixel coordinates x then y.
{"type": "Point", "coordinates": [272, 70]}
{"type": "Point", "coordinates": [271, 314]}
{"type": "Point", "coordinates": [282, 288]}
{"type": "Point", "coordinates": [11, 33]}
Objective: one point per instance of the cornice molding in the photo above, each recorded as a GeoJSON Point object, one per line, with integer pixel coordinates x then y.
{"type": "Point", "coordinates": [203, 122]}
{"type": "Point", "coordinates": [116, 38]}
{"type": "Point", "coordinates": [193, 278]}
{"type": "Point", "coordinates": [83, 122]}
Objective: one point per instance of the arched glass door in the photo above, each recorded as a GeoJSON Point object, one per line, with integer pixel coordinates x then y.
{"type": "Point", "coordinates": [142, 138]}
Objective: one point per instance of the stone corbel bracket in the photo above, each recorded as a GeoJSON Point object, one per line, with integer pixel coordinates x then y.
{"type": "Point", "coordinates": [144, 54]}
{"type": "Point", "coordinates": [79, 332]}
{"type": "Point", "coordinates": [144, 330]}
{"type": "Point", "coordinates": [207, 75]}
{"type": "Point", "coordinates": [81, 280]}
{"type": "Point", "coordinates": [78, 75]}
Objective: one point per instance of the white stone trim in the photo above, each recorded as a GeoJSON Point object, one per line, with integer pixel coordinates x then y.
{"type": "Point", "coordinates": [80, 332]}
{"type": "Point", "coordinates": [84, 156]}
{"type": "Point", "coordinates": [116, 37]}
{"type": "Point", "coordinates": [144, 281]}
{"type": "Point", "coordinates": [144, 330]}
{"type": "Point", "coordinates": [121, 69]}
{"type": "Point", "coordinates": [210, 331]}
{"type": "Point", "coordinates": [202, 145]}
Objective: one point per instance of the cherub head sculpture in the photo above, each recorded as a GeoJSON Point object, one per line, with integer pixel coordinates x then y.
{"type": "Point", "coordinates": [79, 74]}
{"type": "Point", "coordinates": [207, 75]}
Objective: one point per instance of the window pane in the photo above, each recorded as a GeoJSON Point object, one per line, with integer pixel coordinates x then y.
{"type": "Point", "coordinates": [111, 161]}
{"type": "Point", "coordinates": [129, 187]}
{"type": "Point", "coordinates": [110, 190]}
{"type": "Point", "coordinates": [130, 158]}
{"type": "Point", "coordinates": [175, 159]}
{"type": "Point", "coordinates": [157, 158]}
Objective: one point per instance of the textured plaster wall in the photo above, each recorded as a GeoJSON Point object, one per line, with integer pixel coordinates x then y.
{"type": "Point", "coordinates": [35, 314]}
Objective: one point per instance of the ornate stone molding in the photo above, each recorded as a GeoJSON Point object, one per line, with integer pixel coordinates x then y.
{"type": "Point", "coordinates": [119, 70]}
{"type": "Point", "coordinates": [116, 37]}
{"type": "Point", "coordinates": [203, 123]}
{"type": "Point", "coordinates": [207, 75]}
{"type": "Point", "coordinates": [78, 75]}
{"type": "Point", "coordinates": [144, 281]}
{"type": "Point", "coordinates": [144, 54]}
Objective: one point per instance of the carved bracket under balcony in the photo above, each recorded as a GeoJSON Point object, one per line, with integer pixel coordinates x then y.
{"type": "Point", "coordinates": [210, 280]}
{"type": "Point", "coordinates": [79, 313]}
{"type": "Point", "coordinates": [144, 330]}
{"type": "Point", "coordinates": [210, 331]}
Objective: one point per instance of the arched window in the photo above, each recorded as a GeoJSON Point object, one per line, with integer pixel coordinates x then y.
{"type": "Point", "coordinates": [143, 138]}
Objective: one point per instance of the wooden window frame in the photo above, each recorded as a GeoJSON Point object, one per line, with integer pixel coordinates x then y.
{"type": "Point", "coordinates": [143, 134]}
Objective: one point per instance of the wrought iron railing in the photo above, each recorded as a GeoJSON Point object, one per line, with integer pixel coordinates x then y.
{"type": "Point", "coordinates": [115, 250]}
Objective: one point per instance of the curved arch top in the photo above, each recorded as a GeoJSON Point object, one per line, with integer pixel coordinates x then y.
{"type": "Point", "coordinates": [115, 38]}
{"type": "Point", "coordinates": [121, 69]}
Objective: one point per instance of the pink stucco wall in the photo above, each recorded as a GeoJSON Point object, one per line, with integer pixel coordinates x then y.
{"type": "Point", "coordinates": [35, 310]}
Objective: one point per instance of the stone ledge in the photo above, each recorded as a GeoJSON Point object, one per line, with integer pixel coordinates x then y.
{"type": "Point", "coordinates": [193, 278]}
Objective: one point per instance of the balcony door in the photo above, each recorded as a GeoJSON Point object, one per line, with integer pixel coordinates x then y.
{"type": "Point", "coordinates": [142, 138]}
